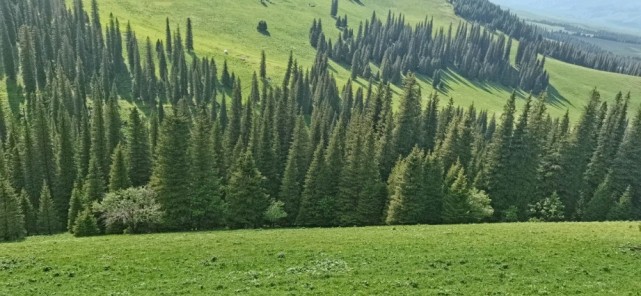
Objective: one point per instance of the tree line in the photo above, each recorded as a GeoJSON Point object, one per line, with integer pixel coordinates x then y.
{"type": "Point", "coordinates": [203, 155]}
{"type": "Point", "coordinates": [556, 45]}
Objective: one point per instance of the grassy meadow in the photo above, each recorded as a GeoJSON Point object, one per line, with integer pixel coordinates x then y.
{"type": "Point", "coordinates": [488, 259]}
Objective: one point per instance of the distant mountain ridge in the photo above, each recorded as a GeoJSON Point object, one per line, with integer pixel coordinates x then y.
{"type": "Point", "coordinates": [620, 15]}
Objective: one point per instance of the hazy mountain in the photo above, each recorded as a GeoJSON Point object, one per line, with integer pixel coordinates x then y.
{"type": "Point", "coordinates": [619, 15]}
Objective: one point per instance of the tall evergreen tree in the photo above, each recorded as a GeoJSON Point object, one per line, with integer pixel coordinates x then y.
{"type": "Point", "coordinates": [30, 215]}
{"type": "Point", "coordinates": [206, 189]}
{"type": "Point", "coordinates": [12, 219]}
{"type": "Point", "coordinates": [189, 37]}
{"type": "Point", "coordinates": [48, 222]}
{"type": "Point", "coordinates": [170, 178]}
{"type": "Point", "coordinates": [407, 190]}
{"type": "Point", "coordinates": [168, 38]}
{"type": "Point", "coordinates": [295, 170]}
{"type": "Point", "coordinates": [138, 151]}
{"type": "Point", "coordinates": [246, 196]}
{"type": "Point", "coordinates": [65, 167]}
{"type": "Point", "coordinates": [118, 174]}
{"type": "Point", "coordinates": [495, 178]}
{"type": "Point", "coordinates": [407, 120]}
{"type": "Point", "coordinates": [263, 65]}
{"type": "Point", "coordinates": [76, 204]}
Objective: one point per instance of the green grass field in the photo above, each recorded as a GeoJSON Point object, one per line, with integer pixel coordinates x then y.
{"type": "Point", "coordinates": [489, 259]}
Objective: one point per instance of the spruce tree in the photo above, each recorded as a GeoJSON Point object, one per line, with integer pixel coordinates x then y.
{"type": "Point", "coordinates": [94, 184]}
{"type": "Point", "coordinates": [189, 37]}
{"type": "Point", "coordinates": [433, 182]}
{"type": "Point", "coordinates": [75, 206]}
{"type": "Point", "coordinates": [168, 38]}
{"type": "Point", "coordinates": [85, 224]}
{"type": "Point", "coordinates": [98, 137]}
{"type": "Point", "coordinates": [138, 151]}
{"type": "Point", "coordinates": [496, 177]}
{"type": "Point", "coordinates": [407, 119]}
{"type": "Point", "coordinates": [246, 196]}
{"type": "Point", "coordinates": [66, 173]}
{"type": "Point", "coordinates": [118, 174]}
{"type": "Point", "coordinates": [263, 65]}
{"type": "Point", "coordinates": [626, 167]}
{"type": "Point", "coordinates": [12, 219]}
{"type": "Point", "coordinates": [455, 201]}
{"type": "Point", "coordinates": [30, 215]}
{"type": "Point", "coordinates": [407, 191]}
{"type": "Point", "coordinates": [577, 155]}
{"type": "Point", "coordinates": [27, 60]}
{"type": "Point", "coordinates": [48, 222]}
{"type": "Point", "coordinates": [206, 189]}
{"type": "Point", "coordinates": [598, 207]}
{"type": "Point", "coordinates": [113, 124]}
{"type": "Point", "coordinates": [8, 59]}
{"type": "Point", "coordinates": [623, 210]}
{"type": "Point", "coordinates": [170, 178]}
{"type": "Point", "coordinates": [334, 8]}
{"type": "Point", "coordinates": [295, 170]}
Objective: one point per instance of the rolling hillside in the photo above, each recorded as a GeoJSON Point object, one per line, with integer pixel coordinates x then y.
{"type": "Point", "coordinates": [231, 25]}
{"type": "Point", "coordinates": [620, 15]}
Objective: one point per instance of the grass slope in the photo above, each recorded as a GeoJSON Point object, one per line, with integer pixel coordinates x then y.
{"type": "Point", "coordinates": [497, 259]}
{"type": "Point", "coordinates": [231, 25]}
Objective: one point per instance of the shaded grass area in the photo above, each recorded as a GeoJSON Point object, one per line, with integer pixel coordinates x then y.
{"type": "Point", "coordinates": [497, 259]}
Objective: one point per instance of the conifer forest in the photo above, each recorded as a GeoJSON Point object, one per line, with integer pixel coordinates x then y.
{"type": "Point", "coordinates": [198, 152]}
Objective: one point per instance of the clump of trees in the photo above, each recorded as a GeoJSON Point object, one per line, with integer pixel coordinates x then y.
{"type": "Point", "coordinates": [398, 48]}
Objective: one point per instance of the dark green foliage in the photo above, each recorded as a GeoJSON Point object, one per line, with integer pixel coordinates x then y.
{"type": "Point", "coordinates": [137, 151]}
{"type": "Point", "coordinates": [598, 207]}
{"type": "Point", "coordinates": [168, 38]}
{"type": "Point", "coordinates": [189, 37]}
{"type": "Point", "coordinates": [206, 184]}
{"type": "Point", "coordinates": [66, 173]}
{"type": "Point", "coordinates": [623, 208]}
{"type": "Point", "coordinates": [455, 201]}
{"type": "Point", "coordinates": [94, 185]}
{"type": "Point", "coordinates": [27, 60]}
{"type": "Point", "coordinates": [295, 170]}
{"type": "Point", "coordinates": [85, 224]}
{"type": "Point", "coordinates": [12, 219]}
{"type": "Point", "coordinates": [407, 120]}
{"type": "Point", "coordinates": [497, 175]}
{"type": "Point", "coordinates": [75, 206]}
{"type": "Point", "coordinates": [263, 65]}
{"type": "Point", "coordinates": [407, 204]}
{"type": "Point", "coordinates": [170, 178]}
{"type": "Point", "coordinates": [334, 8]}
{"type": "Point", "coordinates": [30, 215]}
{"type": "Point", "coordinates": [246, 196]}
{"type": "Point", "coordinates": [118, 175]}
{"type": "Point", "coordinates": [48, 220]}
{"type": "Point", "coordinates": [548, 209]}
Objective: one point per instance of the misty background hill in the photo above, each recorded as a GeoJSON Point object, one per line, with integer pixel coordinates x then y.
{"type": "Point", "coordinates": [619, 15]}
